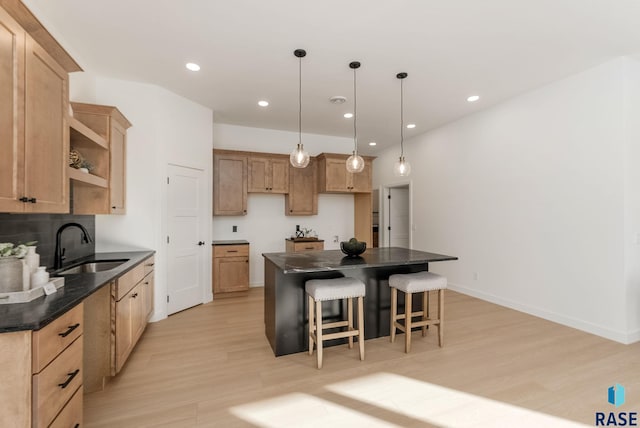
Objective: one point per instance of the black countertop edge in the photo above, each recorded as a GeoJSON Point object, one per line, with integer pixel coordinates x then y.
{"type": "Point", "coordinates": [328, 260]}
{"type": "Point", "coordinates": [39, 312]}
{"type": "Point", "coordinates": [231, 242]}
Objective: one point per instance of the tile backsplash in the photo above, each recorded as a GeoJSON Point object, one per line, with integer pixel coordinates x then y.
{"type": "Point", "coordinates": [21, 228]}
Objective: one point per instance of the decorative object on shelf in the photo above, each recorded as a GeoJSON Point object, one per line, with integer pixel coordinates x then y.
{"type": "Point", "coordinates": [355, 163]}
{"type": "Point", "coordinates": [299, 158]}
{"type": "Point", "coordinates": [401, 168]}
{"type": "Point", "coordinates": [299, 233]}
{"type": "Point", "coordinates": [77, 161]}
{"type": "Point", "coordinates": [353, 247]}
{"type": "Point", "coordinates": [74, 158]}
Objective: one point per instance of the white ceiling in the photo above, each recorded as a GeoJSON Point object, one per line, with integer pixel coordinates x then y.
{"type": "Point", "coordinates": [451, 49]}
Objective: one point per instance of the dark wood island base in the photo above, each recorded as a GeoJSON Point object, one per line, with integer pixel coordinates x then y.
{"type": "Point", "coordinates": [285, 305]}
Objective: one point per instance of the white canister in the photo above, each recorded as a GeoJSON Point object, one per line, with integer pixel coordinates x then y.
{"type": "Point", "coordinates": [40, 277]}
{"type": "Point", "coordinates": [32, 258]}
{"type": "Point", "coordinates": [26, 276]}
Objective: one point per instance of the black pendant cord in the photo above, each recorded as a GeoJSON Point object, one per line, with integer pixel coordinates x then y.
{"type": "Point", "coordinates": [355, 115]}
{"type": "Point", "coordinates": [401, 76]}
{"type": "Point", "coordinates": [354, 65]}
{"type": "Point", "coordinates": [300, 100]}
{"type": "Point", "coordinates": [401, 118]}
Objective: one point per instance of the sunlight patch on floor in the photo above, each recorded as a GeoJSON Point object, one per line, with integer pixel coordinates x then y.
{"type": "Point", "coordinates": [302, 410]}
{"type": "Point", "coordinates": [442, 406]}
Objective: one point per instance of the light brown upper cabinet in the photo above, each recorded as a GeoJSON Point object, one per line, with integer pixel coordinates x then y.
{"type": "Point", "coordinates": [34, 97]}
{"type": "Point", "coordinates": [229, 183]}
{"type": "Point", "coordinates": [333, 176]}
{"type": "Point", "coordinates": [302, 198]}
{"type": "Point", "coordinates": [99, 134]}
{"type": "Point", "coordinates": [268, 174]}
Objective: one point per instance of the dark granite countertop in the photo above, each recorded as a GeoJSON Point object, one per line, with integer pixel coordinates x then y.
{"type": "Point", "coordinates": [231, 242]}
{"type": "Point", "coordinates": [39, 312]}
{"type": "Point", "coordinates": [316, 261]}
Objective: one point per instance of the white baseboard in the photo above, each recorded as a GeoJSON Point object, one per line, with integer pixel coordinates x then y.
{"type": "Point", "coordinates": [617, 336]}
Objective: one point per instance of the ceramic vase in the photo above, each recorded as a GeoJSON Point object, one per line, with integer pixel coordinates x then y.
{"type": "Point", "coordinates": [10, 274]}
{"type": "Point", "coordinates": [26, 276]}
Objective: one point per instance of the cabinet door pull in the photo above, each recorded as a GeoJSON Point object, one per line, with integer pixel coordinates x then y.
{"type": "Point", "coordinates": [146, 283]}
{"type": "Point", "coordinates": [201, 243]}
{"type": "Point", "coordinates": [32, 200]}
{"type": "Point", "coordinates": [232, 251]}
{"type": "Point", "coordinates": [134, 295]}
{"type": "Point", "coordinates": [150, 264]}
{"type": "Point", "coordinates": [24, 199]}
{"type": "Point", "coordinates": [76, 426]}
{"type": "Point", "coordinates": [113, 208]}
{"type": "Point", "coordinates": [308, 248]}
{"type": "Point", "coordinates": [69, 330]}
{"type": "Point", "coordinates": [69, 379]}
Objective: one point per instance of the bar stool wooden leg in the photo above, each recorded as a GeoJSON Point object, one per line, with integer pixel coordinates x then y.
{"type": "Point", "coordinates": [407, 322]}
{"type": "Point", "coordinates": [319, 333]}
{"type": "Point", "coordinates": [425, 311]}
{"type": "Point", "coordinates": [361, 326]}
{"type": "Point", "coordinates": [441, 317]}
{"type": "Point", "coordinates": [311, 305]}
{"type": "Point", "coordinates": [350, 320]}
{"type": "Point", "coordinates": [394, 313]}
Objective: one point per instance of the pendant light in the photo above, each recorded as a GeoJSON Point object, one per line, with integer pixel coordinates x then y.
{"type": "Point", "coordinates": [355, 163]}
{"type": "Point", "coordinates": [401, 168]}
{"type": "Point", "coordinates": [299, 158]}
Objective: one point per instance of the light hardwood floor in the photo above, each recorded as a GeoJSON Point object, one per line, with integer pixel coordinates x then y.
{"type": "Point", "coordinates": [212, 366]}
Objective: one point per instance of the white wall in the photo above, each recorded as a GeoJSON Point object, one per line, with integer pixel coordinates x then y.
{"type": "Point", "coordinates": [530, 195]}
{"type": "Point", "coordinates": [166, 129]}
{"type": "Point", "coordinates": [265, 226]}
{"type": "Point", "coordinates": [632, 196]}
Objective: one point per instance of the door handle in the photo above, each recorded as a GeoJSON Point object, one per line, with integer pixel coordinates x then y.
{"type": "Point", "coordinates": [201, 243]}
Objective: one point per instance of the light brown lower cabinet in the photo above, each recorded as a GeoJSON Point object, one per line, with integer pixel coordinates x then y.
{"type": "Point", "coordinates": [230, 268]}
{"type": "Point", "coordinates": [116, 317]}
{"type": "Point", "coordinates": [41, 379]}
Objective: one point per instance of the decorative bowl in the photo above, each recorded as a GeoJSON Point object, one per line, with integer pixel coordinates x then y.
{"type": "Point", "coordinates": [353, 248]}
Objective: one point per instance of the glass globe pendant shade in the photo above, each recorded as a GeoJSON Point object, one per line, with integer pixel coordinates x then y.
{"type": "Point", "coordinates": [355, 163]}
{"type": "Point", "coordinates": [299, 158]}
{"type": "Point", "coordinates": [401, 168]}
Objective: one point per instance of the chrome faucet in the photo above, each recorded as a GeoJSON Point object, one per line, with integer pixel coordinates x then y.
{"type": "Point", "coordinates": [59, 254]}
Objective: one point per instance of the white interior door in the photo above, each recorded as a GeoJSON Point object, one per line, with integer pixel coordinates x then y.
{"type": "Point", "coordinates": [399, 217]}
{"type": "Point", "coordinates": [187, 246]}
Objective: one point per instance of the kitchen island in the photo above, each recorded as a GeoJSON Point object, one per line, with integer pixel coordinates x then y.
{"type": "Point", "coordinates": [285, 303]}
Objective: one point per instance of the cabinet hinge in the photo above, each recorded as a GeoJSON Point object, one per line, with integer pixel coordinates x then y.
{"type": "Point", "coordinates": [167, 180]}
{"type": "Point", "coordinates": [388, 227]}
{"type": "Point", "coordinates": [388, 196]}
{"type": "Point", "coordinates": [167, 298]}
{"type": "Point", "coordinates": [167, 239]}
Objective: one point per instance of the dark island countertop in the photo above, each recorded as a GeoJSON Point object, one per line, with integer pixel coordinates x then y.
{"type": "Point", "coordinates": [317, 261]}
{"type": "Point", "coordinates": [39, 312]}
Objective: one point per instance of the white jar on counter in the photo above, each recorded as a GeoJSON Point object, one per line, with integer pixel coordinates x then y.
{"type": "Point", "coordinates": [40, 277]}
{"type": "Point", "coordinates": [32, 258]}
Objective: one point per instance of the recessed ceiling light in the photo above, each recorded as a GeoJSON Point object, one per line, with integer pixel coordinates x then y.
{"type": "Point", "coordinates": [348, 115]}
{"type": "Point", "coordinates": [473, 98]}
{"type": "Point", "coordinates": [192, 66]}
{"type": "Point", "coordinates": [263, 103]}
{"type": "Point", "coordinates": [411, 125]}
{"type": "Point", "coordinates": [372, 143]}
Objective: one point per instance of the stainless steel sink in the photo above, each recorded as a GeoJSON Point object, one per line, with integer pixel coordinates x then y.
{"type": "Point", "coordinates": [93, 266]}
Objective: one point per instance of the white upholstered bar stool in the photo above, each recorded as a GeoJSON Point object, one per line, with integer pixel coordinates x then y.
{"type": "Point", "coordinates": [320, 290]}
{"type": "Point", "coordinates": [410, 283]}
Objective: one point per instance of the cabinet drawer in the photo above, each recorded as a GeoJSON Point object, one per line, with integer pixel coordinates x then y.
{"type": "Point", "coordinates": [54, 386]}
{"type": "Point", "coordinates": [308, 246]}
{"type": "Point", "coordinates": [71, 415]}
{"type": "Point", "coordinates": [126, 282]}
{"type": "Point", "coordinates": [230, 251]}
{"type": "Point", "coordinates": [55, 337]}
{"type": "Point", "coordinates": [149, 265]}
